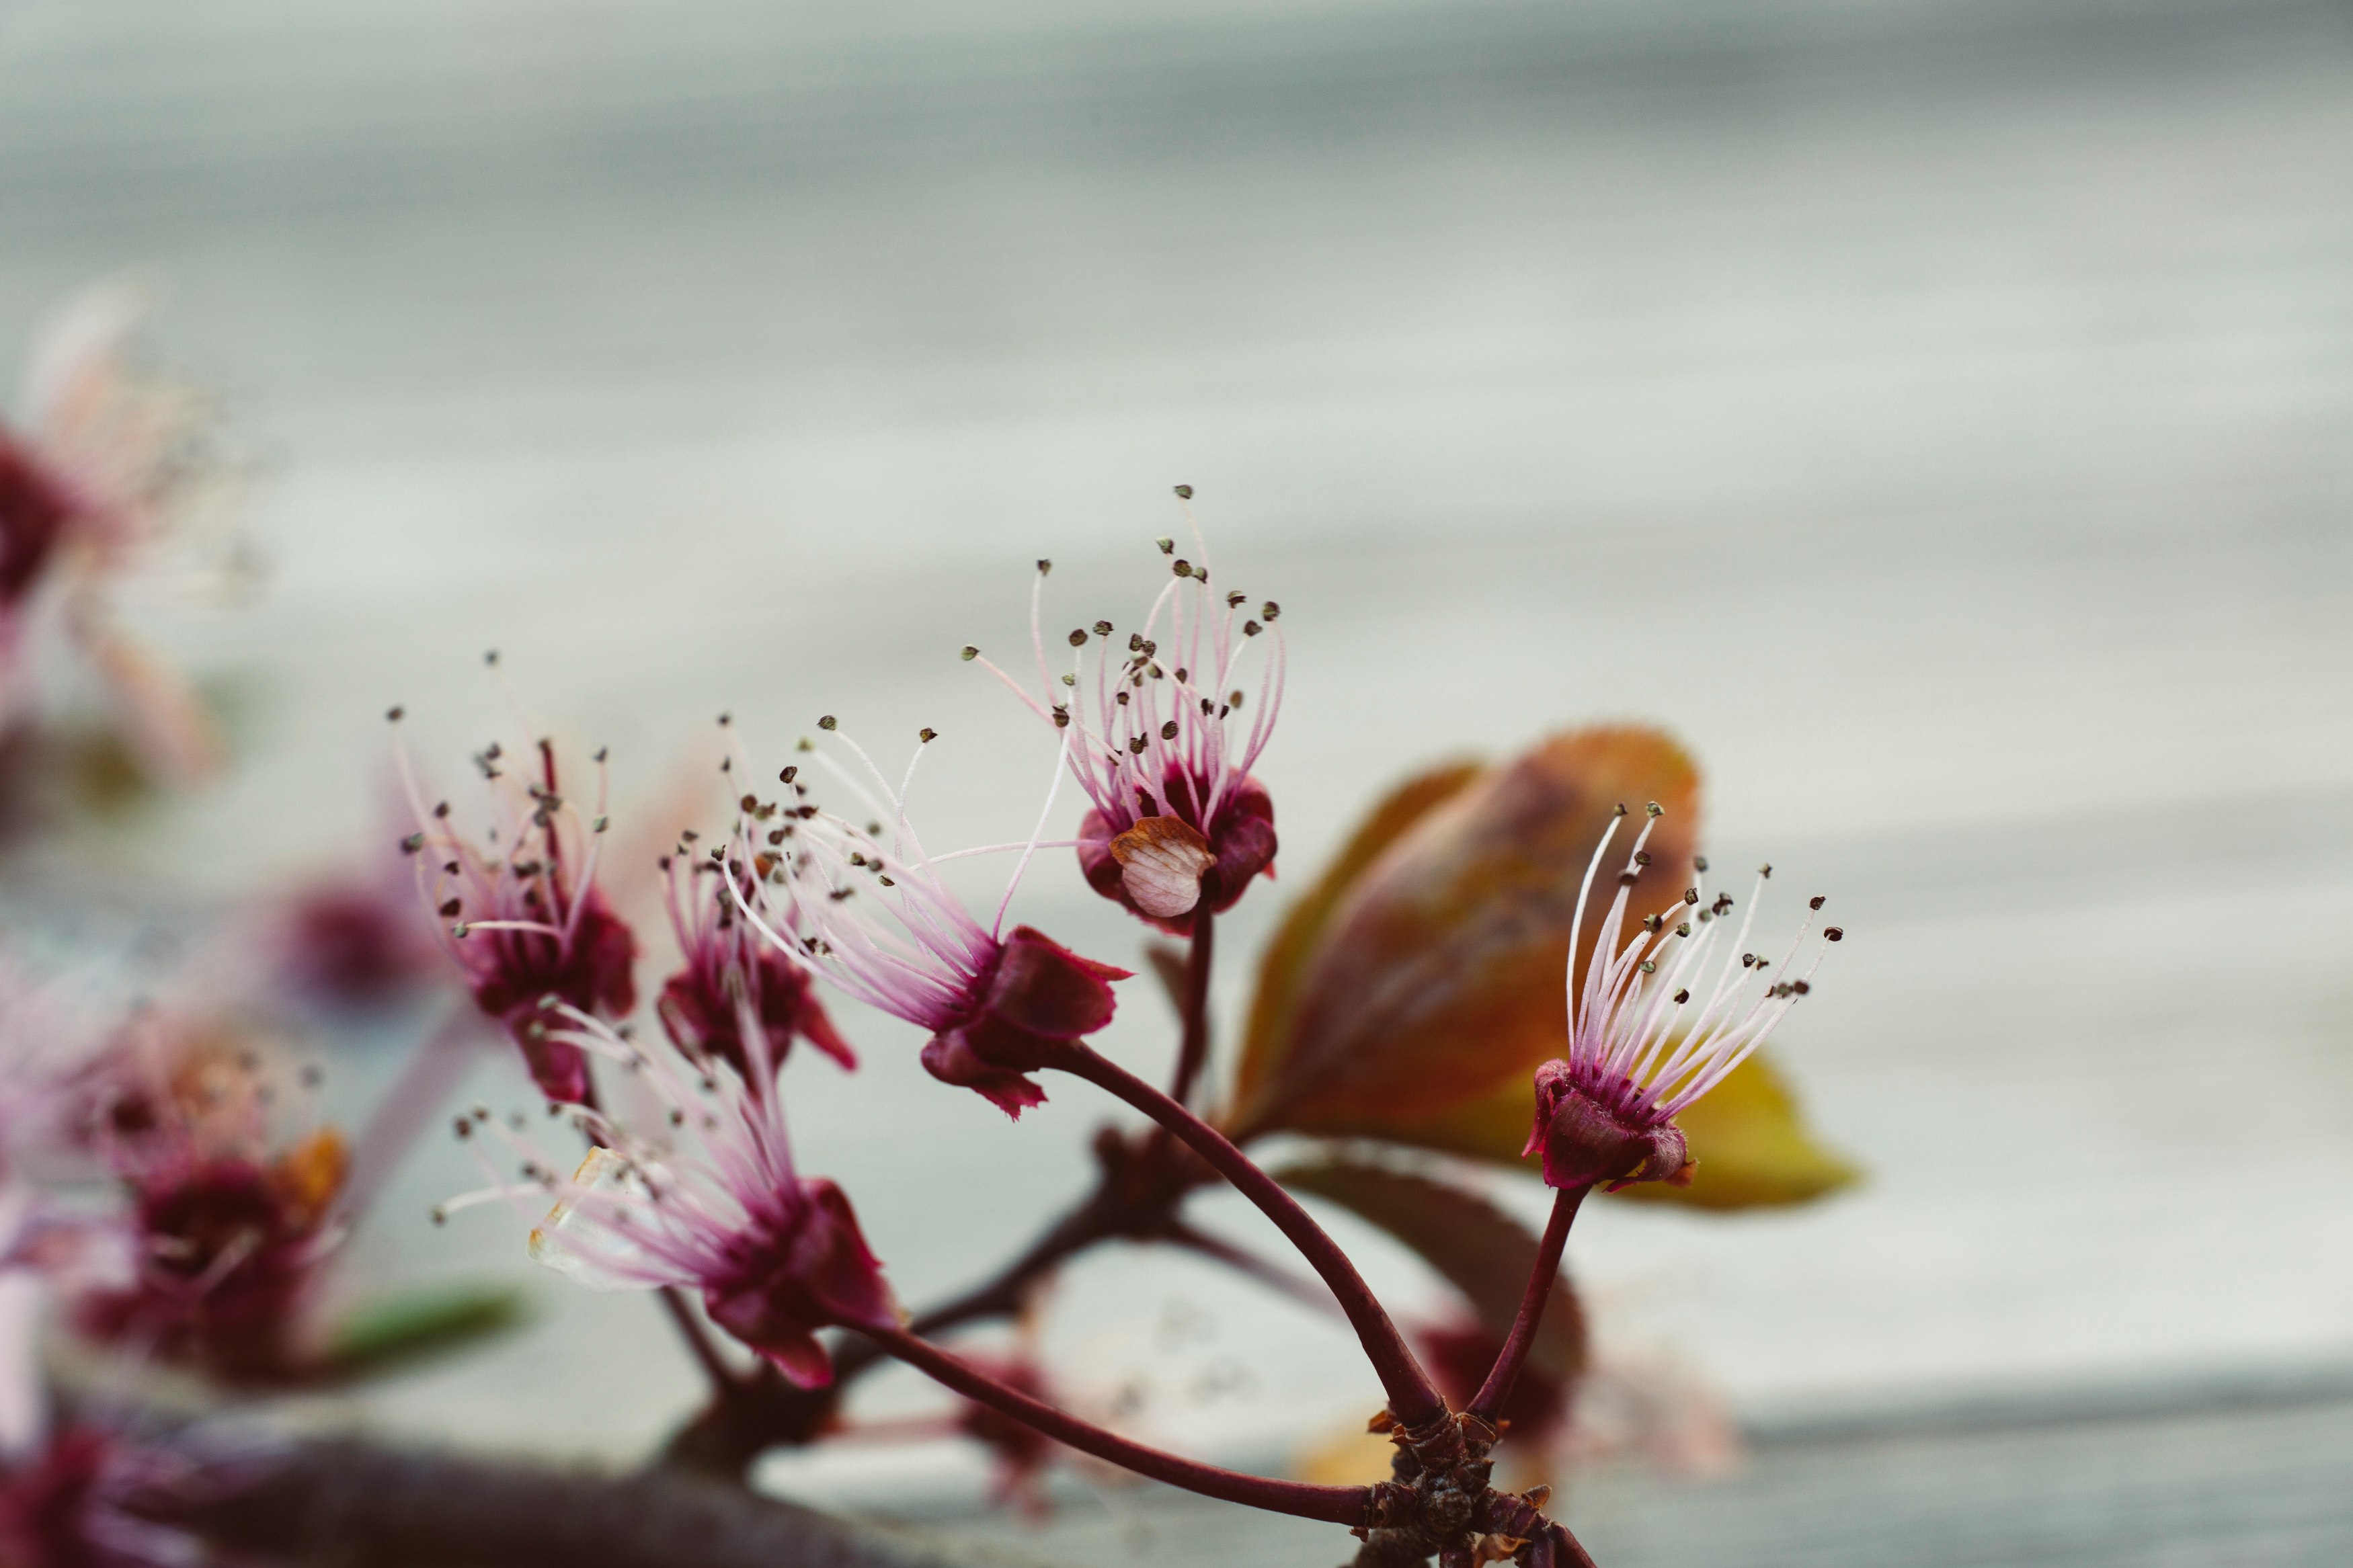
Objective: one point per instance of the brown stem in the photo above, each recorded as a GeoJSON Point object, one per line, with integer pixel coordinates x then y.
{"type": "Point", "coordinates": [359, 1505]}
{"type": "Point", "coordinates": [1514, 1354]}
{"type": "Point", "coordinates": [1413, 1399]}
{"type": "Point", "coordinates": [1301, 1499]}
{"type": "Point", "coordinates": [1193, 1054]}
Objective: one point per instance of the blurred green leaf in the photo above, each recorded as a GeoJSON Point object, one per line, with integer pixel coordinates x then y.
{"type": "Point", "coordinates": [1475, 1247]}
{"type": "Point", "coordinates": [409, 1326]}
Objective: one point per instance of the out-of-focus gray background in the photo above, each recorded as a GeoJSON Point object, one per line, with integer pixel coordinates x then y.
{"type": "Point", "coordinates": [1939, 412]}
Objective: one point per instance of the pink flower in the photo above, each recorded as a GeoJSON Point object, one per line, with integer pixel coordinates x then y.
{"type": "Point", "coordinates": [733, 979]}
{"type": "Point", "coordinates": [1652, 1031]}
{"type": "Point", "coordinates": [1177, 822]}
{"type": "Point", "coordinates": [877, 921]}
{"type": "Point", "coordinates": [773, 1255]}
{"type": "Point", "coordinates": [227, 1231]}
{"type": "Point", "coordinates": [524, 916]}
{"type": "Point", "coordinates": [63, 1505]}
{"type": "Point", "coordinates": [109, 462]}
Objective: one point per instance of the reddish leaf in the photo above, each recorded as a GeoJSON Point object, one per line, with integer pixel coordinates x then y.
{"type": "Point", "coordinates": [1432, 980]}
{"type": "Point", "coordinates": [1283, 967]}
{"type": "Point", "coordinates": [1474, 1247]}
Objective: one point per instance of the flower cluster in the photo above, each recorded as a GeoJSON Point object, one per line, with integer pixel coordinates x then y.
{"type": "Point", "coordinates": [1658, 1023]}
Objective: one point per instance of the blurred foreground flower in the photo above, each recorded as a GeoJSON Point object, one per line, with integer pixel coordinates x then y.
{"type": "Point", "coordinates": [108, 463]}
{"type": "Point", "coordinates": [228, 1229]}
{"type": "Point", "coordinates": [732, 978]}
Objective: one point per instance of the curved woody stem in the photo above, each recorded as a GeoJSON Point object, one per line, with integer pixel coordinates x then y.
{"type": "Point", "coordinates": [1301, 1499]}
{"type": "Point", "coordinates": [1516, 1344]}
{"type": "Point", "coordinates": [1413, 1398]}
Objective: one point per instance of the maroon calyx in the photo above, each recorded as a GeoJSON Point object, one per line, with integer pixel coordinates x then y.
{"type": "Point", "coordinates": [1596, 1134]}
{"type": "Point", "coordinates": [1038, 998]}
{"type": "Point", "coordinates": [804, 1267]}
{"type": "Point", "coordinates": [702, 1013]}
{"type": "Point", "coordinates": [595, 971]}
{"type": "Point", "coordinates": [1239, 840]}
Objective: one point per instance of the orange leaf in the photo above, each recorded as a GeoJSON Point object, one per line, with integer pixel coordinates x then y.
{"type": "Point", "coordinates": [1282, 966]}
{"type": "Point", "coordinates": [1435, 980]}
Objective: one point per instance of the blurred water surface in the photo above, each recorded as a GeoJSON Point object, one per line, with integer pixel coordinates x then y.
{"type": "Point", "coordinates": [1937, 411]}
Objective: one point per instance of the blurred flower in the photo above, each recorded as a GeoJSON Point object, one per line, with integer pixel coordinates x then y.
{"type": "Point", "coordinates": [774, 1255]}
{"type": "Point", "coordinates": [1605, 1112]}
{"type": "Point", "coordinates": [228, 1228]}
{"type": "Point", "coordinates": [108, 462]}
{"type": "Point", "coordinates": [732, 979]}
{"type": "Point", "coordinates": [353, 940]}
{"type": "Point", "coordinates": [1177, 822]}
{"type": "Point", "coordinates": [879, 923]}
{"type": "Point", "coordinates": [524, 916]}
{"type": "Point", "coordinates": [1021, 1452]}
{"type": "Point", "coordinates": [62, 1505]}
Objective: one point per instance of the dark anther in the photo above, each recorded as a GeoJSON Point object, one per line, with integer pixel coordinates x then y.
{"type": "Point", "coordinates": [1269, 611]}
{"type": "Point", "coordinates": [412, 844]}
{"type": "Point", "coordinates": [450, 910]}
{"type": "Point", "coordinates": [1682, 998]}
{"type": "Point", "coordinates": [1136, 745]}
{"type": "Point", "coordinates": [1699, 862]}
{"type": "Point", "coordinates": [725, 719]}
{"type": "Point", "coordinates": [828, 723]}
{"type": "Point", "coordinates": [970, 653]}
{"type": "Point", "coordinates": [1833, 934]}
{"type": "Point", "coordinates": [393, 713]}
{"type": "Point", "coordinates": [788, 774]}
{"type": "Point", "coordinates": [1184, 492]}
{"type": "Point", "coordinates": [441, 808]}
{"type": "Point", "coordinates": [1252, 628]}
{"type": "Point", "coordinates": [492, 656]}
{"type": "Point", "coordinates": [1655, 809]}
{"type": "Point", "coordinates": [1641, 857]}
{"type": "Point", "coordinates": [1168, 731]}
{"type": "Point", "coordinates": [1044, 566]}
{"type": "Point", "coordinates": [1817, 901]}
{"type": "Point", "coordinates": [1800, 986]}
{"type": "Point", "coordinates": [1183, 568]}
{"type": "Point", "coordinates": [1766, 869]}
{"type": "Point", "coordinates": [1102, 628]}
{"type": "Point", "coordinates": [749, 803]}
{"type": "Point", "coordinates": [1691, 895]}
{"type": "Point", "coordinates": [1078, 637]}
{"type": "Point", "coordinates": [927, 734]}
{"type": "Point", "coordinates": [1653, 922]}
{"type": "Point", "coordinates": [1167, 546]}
{"type": "Point", "coordinates": [1626, 879]}
{"type": "Point", "coordinates": [1621, 809]}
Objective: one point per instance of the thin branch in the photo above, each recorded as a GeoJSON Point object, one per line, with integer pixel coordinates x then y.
{"type": "Point", "coordinates": [1514, 1354]}
{"type": "Point", "coordinates": [1301, 1499]}
{"type": "Point", "coordinates": [362, 1505]}
{"type": "Point", "coordinates": [1307, 1292]}
{"type": "Point", "coordinates": [1413, 1399]}
{"type": "Point", "coordinates": [1193, 1054]}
